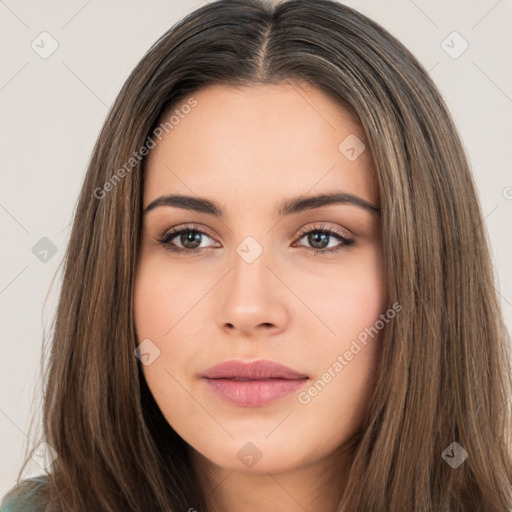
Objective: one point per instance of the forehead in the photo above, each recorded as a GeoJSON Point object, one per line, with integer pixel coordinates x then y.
{"type": "Point", "coordinates": [271, 140]}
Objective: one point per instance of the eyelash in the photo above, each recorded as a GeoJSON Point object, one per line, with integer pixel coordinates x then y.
{"type": "Point", "coordinates": [174, 232]}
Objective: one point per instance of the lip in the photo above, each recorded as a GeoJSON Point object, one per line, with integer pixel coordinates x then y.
{"type": "Point", "coordinates": [252, 383]}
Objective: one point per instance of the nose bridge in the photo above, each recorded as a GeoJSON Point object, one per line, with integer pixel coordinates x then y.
{"type": "Point", "coordinates": [250, 266]}
{"type": "Point", "coordinates": [251, 293]}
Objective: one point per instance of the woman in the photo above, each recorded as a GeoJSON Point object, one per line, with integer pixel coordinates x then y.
{"type": "Point", "coordinates": [278, 292]}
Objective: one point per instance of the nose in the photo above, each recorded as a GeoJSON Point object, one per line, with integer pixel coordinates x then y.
{"type": "Point", "coordinates": [253, 301]}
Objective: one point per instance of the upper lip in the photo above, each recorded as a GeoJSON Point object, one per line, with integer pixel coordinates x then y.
{"type": "Point", "coordinates": [254, 370]}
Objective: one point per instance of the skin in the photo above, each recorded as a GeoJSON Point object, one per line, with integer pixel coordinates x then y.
{"type": "Point", "coordinates": [248, 149]}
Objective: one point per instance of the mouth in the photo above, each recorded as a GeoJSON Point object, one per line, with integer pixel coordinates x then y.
{"type": "Point", "coordinates": [253, 384]}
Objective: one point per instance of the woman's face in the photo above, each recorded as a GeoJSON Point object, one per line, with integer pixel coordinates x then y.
{"type": "Point", "coordinates": [257, 277]}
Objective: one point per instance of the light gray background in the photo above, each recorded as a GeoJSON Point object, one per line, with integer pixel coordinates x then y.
{"type": "Point", "coordinates": [52, 110]}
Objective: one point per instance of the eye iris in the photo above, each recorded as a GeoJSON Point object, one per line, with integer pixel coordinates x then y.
{"type": "Point", "coordinates": [318, 238]}
{"type": "Point", "coordinates": [190, 238]}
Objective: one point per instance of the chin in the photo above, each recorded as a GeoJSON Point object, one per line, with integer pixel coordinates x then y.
{"type": "Point", "coordinates": [254, 456]}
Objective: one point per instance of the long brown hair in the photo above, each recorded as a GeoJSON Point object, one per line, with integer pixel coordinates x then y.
{"type": "Point", "coordinates": [444, 373]}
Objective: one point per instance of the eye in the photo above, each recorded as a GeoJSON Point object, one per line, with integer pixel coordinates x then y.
{"type": "Point", "coordinates": [189, 239]}
{"type": "Point", "coordinates": [320, 238]}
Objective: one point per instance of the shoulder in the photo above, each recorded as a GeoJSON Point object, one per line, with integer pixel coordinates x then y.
{"type": "Point", "coordinates": [27, 496]}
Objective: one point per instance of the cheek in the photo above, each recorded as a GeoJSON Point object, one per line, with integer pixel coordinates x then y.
{"type": "Point", "coordinates": [347, 296]}
{"type": "Point", "coordinates": [154, 307]}
{"type": "Point", "coordinates": [361, 296]}
{"type": "Point", "coordinates": [162, 301]}
{"type": "Point", "coordinates": [163, 297]}
{"type": "Point", "coordinates": [345, 360]}
{"type": "Point", "coordinates": [171, 308]}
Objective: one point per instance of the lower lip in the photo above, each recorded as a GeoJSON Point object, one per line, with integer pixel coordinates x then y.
{"type": "Point", "coordinates": [253, 393]}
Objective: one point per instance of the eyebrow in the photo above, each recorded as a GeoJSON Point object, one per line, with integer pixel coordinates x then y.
{"type": "Point", "coordinates": [288, 207]}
